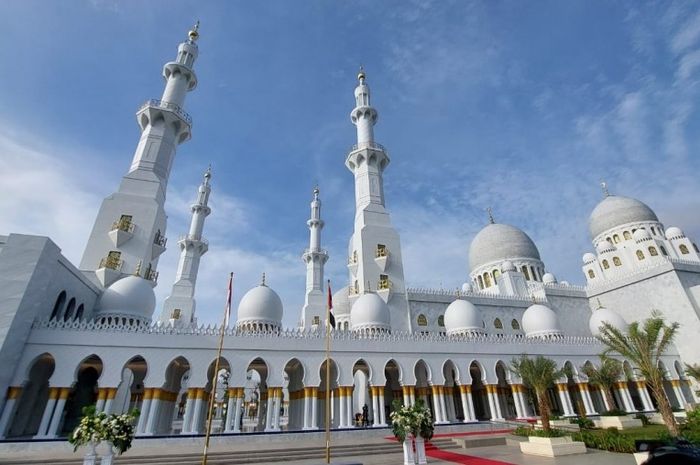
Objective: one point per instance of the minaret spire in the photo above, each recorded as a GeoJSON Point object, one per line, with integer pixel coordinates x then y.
{"type": "Point", "coordinates": [130, 226]}
{"type": "Point", "coordinates": [315, 258]}
{"type": "Point", "coordinates": [179, 306]}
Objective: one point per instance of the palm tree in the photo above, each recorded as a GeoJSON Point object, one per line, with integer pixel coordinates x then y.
{"type": "Point", "coordinates": [693, 371]}
{"type": "Point", "coordinates": [604, 377]}
{"type": "Point", "coordinates": [538, 374]}
{"type": "Point", "coordinates": [643, 346]}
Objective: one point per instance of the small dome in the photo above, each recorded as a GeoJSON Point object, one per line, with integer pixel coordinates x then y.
{"type": "Point", "coordinates": [549, 278]}
{"type": "Point", "coordinates": [507, 266]}
{"type": "Point", "coordinates": [131, 297]}
{"type": "Point", "coordinates": [260, 305]}
{"type": "Point", "coordinates": [540, 321]}
{"type": "Point", "coordinates": [604, 246]}
{"type": "Point", "coordinates": [616, 210]}
{"type": "Point", "coordinates": [498, 242]}
{"type": "Point", "coordinates": [370, 312]}
{"type": "Point", "coordinates": [589, 258]}
{"type": "Point", "coordinates": [462, 317]}
{"type": "Point", "coordinates": [641, 235]}
{"type": "Point", "coordinates": [341, 302]}
{"type": "Point", "coordinates": [602, 315]}
{"type": "Point", "coordinates": [674, 233]}
{"type": "Point", "coordinates": [467, 288]}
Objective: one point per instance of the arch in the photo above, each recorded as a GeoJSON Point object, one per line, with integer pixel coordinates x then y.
{"type": "Point", "coordinates": [591, 274]}
{"type": "Point", "coordinates": [130, 390]}
{"type": "Point", "coordinates": [295, 373]}
{"type": "Point", "coordinates": [663, 250]}
{"type": "Point", "coordinates": [525, 272]}
{"type": "Point", "coordinates": [361, 399]}
{"type": "Point", "coordinates": [617, 261]}
{"type": "Point", "coordinates": [606, 265]}
{"type": "Point", "coordinates": [640, 255]}
{"type": "Point", "coordinates": [487, 279]}
{"type": "Point", "coordinates": [34, 397]}
{"type": "Point", "coordinates": [504, 391]}
{"type": "Point", "coordinates": [479, 394]}
{"type": "Point", "coordinates": [79, 313]}
{"type": "Point", "coordinates": [652, 251]}
{"type": "Point", "coordinates": [572, 379]}
{"type": "Point", "coordinates": [58, 305]}
{"type": "Point", "coordinates": [616, 238]}
{"type": "Point", "coordinates": [333, 384]}
{"type": "Point", "coordinates": [684, 249]}
{"type": "Point", "coordinates": [481, 282]}
{"type": "Point", "coordinates": [392, 386]}
{"type": "Point", "coordinates": [515, 325]}
{"type": "Point", "coordinates": [627, 235]}
{"type": "Point", "coordinates": [441, 321]}
{"type": "Point", "coordinates": [84, 390]}
{"type": "Point", "coordinates": [497, 323]}
{"type": "Point", "coordinates": [495, 274]}
{"type": "Point", "coordinates": [454, 410]}
{"type": "Point", "coordinates": [219, 403]}
{"type": "Point", "coordinates": [422, 320]}
{"type": "Point", "coordinates": [70, 308]}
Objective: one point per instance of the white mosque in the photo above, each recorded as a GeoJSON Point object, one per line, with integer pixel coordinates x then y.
{"type": "Point", "coordinates": [72, 335]}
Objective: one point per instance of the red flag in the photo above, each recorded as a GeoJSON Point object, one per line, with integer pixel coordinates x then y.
{"type": "Point", "coordinates": [227, 316]}
{"type": "Point", "coordinates": [331, 317]}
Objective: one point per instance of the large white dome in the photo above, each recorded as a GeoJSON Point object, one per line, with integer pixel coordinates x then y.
{"type": "Point", "coordinates": [462, 317]}
{"type": "Point", "coordinates": [370, 312]}
{"type": "Point", "coordinates": [603, 315]}
{"type": "Point", "coordinates": [616, 210]}
{"type": "Point", "coordinates": [131, 297]}
{"type": "Point", "coordinates": [498, 242]}
{"type": "Point", "coordinates": [260, 305]}
{"type": "Point", "coordinates": [541, 321]}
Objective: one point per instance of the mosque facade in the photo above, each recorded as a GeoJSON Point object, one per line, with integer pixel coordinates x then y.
{"type": "Point", "coordinates": [72, 336]}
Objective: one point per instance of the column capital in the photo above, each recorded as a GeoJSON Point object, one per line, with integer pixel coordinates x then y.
{"type": "Point", "coordinates": [13, 392]}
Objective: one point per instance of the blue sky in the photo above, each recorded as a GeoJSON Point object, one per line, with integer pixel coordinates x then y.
{"type": "Point", "coordinates": [521, 106]}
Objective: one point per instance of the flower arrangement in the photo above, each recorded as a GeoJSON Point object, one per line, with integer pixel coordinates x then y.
{"type": "Point", "coordinates": [95, 427]}
{"type": "Point", "coordinates": [415, 420]}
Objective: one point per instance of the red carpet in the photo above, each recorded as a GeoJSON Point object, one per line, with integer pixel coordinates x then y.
{"type": "Point", "coordinates": [434, 452]}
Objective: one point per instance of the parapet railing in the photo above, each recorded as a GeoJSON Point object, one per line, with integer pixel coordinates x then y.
{"type": "Point", "coordinates": [168, 106]}
{"type": "Point", "coordinates": [368, 145]}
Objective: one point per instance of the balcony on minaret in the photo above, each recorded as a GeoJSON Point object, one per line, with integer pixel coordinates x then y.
{"type": "Point", "coordinates": [384, 287]}
{"type": "Point", "coordinates": [381, 256]}
{"type": "Point", "coordinates": [196, 241]}
{"type": "Point", "coordinates": [151, 275]}
{"type": "Point", "coordinates": [159, 243]}
{"type": "Point", "coordinates": [171, 112]}
{"type": "Point", "coordinates": [363, 151]}
{"type": "Point", "coordinates": [122, 230]}
{"type": "Point", "coordinates": [352, 262]}
{"type": "Point", "coordinates": [109, 269]}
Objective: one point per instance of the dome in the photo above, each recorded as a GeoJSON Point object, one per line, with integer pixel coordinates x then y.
{"type": "Point", "coordinates": [467, 288]}
{"type": "Point", "coordinates": [498, 242]}
{"type": "Point", "coordinates": [602, 315]}
{"type": "Point", "coordinates": [463, 317]}
{"type": "Point", "coordinates": [604, 246]}
{"type": "Point", "coordinates": [615, 210]}
{"type": "Point", "coordinates": [674, 233]}
{"type": "Point", "coordinates": [507, 266]}
{"type": "Point", "coordinates": [540, 321]}
{"type": "Point", "coordinates": [260, 305]}
{"type": "Point", "coordinates": [549, 278]}
{"type": "Point", "coordinates": [588, 258]}
{"type": "Point", "coordinates": [341, 302]}
{"type": "Point", "coordinates": [131, 296]}
{"type": "Point", "coordinates": [370, 312]}
{"type": "Point", "coordinates": [641, 235]}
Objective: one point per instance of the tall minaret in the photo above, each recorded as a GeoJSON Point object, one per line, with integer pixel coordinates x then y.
{"type": "Point", "coordinates": [375, 250]}
{"type": "Point", "coordinates": [129, 231]}
{"type": "Point", "coordinates": [314, 310]}
{"type": "Point", "coordinates": [179, 307]}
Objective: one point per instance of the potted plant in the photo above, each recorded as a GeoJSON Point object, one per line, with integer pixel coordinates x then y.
{"type": "Point", "coordinates": [423, 429]}
{"type": "Point", "coordinates": [403, 425]}
{"type": "Point", "coordinates": [118, 432]}
{"type": "Point", "coordinates": [89, 432]}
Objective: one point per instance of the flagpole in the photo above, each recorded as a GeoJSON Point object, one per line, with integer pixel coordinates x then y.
{"type": "Point", "coordinates": [328, 379]}
{"type": "Point", "coordinates": [212, 394]}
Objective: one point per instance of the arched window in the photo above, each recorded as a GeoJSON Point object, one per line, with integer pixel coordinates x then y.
{"type": "Point", "coordinates": [640, 255]}
{"type": "Point", "coordinates": [591, 274]}
{"type": "Point", "coordinates": [58, 306]}
{"type": "Point", "coordinates": [663, 250]}
{"type": "Point", "coordinates": [609, 240]}
{"type": "Point", "coordinates": [69, 310]}
{"type": "Point", "coordinates": [495, 274]}
{"type": "Point", "coordinates": [514, 324]}
{"type": "Point", "coordinates": [532, 271]}
{"type": "Point", "coordinates": [684, 249]}
{"type": "Point", "coordinates": [606, 265]}
{"type": "Point", "coordinates": [526, 273]}
{"type": "Point", "coordinates": [497, 324]}
{"type": "Point", "coordinates": [441, 320]}
{"type": "Point", "coordinates": [481, 283]}
{"type": "Point", "coordinates": [617, 261]}
{"type": "Point", "coordinates": [653, 231]}
{"type": "Point", "coordinates": [616, 238]}
{"type": "Point", "coordinates": [422, 320]}
{"type": "Point", "coordinates": [487, 280]}
{"type": "Point", "coordinates": [627, 235]}
{"type": "Point", "coordinates": [653, 252]}
{"type": "Point", "coordinates": [79, 313]}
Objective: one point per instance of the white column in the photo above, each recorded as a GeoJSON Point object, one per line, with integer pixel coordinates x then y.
{"type": "Point", "coordinates": [382, 411]}
{"type": "Point", "coordinates": [624, 396]}
{"type": "Point", "coordinates": [307, 409]}
{"type": "Point", "coordinates": [230, 409]}
{"type": "Point", "coordinates": [676, 383]}
{"type": "Point", "coordinates": [376, 420]}
{"type": "Point", "coordinates": [196, 412]}
{"type": "Point", "coordinates": [109, 400]}
{"type": "Point", "coordinates": [587, 400]}
{"type": "Point", "coordinates": [492, 390]}
{"type": "Point", "coordinates": [608, 407]}
{"type": "Point", "coordinates": [153, 414]}
{"type": "Point", "coordinates": [100, 404]}
{"type": "Point", "coordinates": [465, 407]}
{"type": "Point", "coordinates": [145, 410]}
{"type": "Point", "coordinates": [238, 412]}
{"type": "Point", "coordinates": [515, 389]}
{"type": "Point", "coordinates": [644, 395]}
{"type": "Point", "coordinates": [341, 406]}
{"type": "Point", "coordinates": [314, 408]}
{"type": "Point", "coordinates": [52, 432]}
{"type": "Point", "coordinates": [48, 412]}
{"type": "Point", "coordinates": [268, 412]}
{"type": "Point", "coordinates": [443, 405]}
{"type": "Point", "coordinates": [189, 411]}
{"type": "Point", "coordinates": [8, 412]}
{"type": "Point", "coordinates": [565, 399]}
{"type": "Point", "coordinates": [523, 404]}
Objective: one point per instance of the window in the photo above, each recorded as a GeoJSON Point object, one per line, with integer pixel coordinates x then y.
{"type": "Point", "coordinates": [495, 274]}
{"type": "Point", "coordinates": [617, 261]}
{"type": "Point", "coordinates": [124, 224]}
{"type": "Point", "coordinates": [176, 314]}
{"type": "Point", "coordinates": [663, 250]}
{"type": "Point", "coordinates": [497, 324]}
{"type": "Point", "coordinates": [441, 320]}
{"type": "Point", "coordinates": [640, 255]}
{"type": "Point", "coordinates": [79, 313]}
{"type": "Point", "coordinates": [422, 320]}
{"type": "Point", "coordinates": [383, 282]}
{"type": "Point", "coordinates": [481, 283]}
{"type": "Point", "coordinates": [525, 272]}
{"type": "Point", "coordinates": [515, 325]}
{"type": "Point", "coordinates": [113, 260]}
{"type": "Point", "coordinates": [616, 239]}
{"type": "Point", "coordinates": [609, 240]}
{"type": "Point", "coordinates": [487, 280]}
{"type": "Point", "coordinates": [606, 265]}
{"type": "Point", "coordinates": [653, 231]}
{"type": "Point", "coordinates": [58, 306]}
{"type": "Point", "coordinates": [69, 310]}
{"type": "Point", "coordinates": [684, 249]}
{"type": "Point", "coordinates": [353, 258]}
{"type": "Point", "coordinates": [591, 274]}
{"type": "Point", "coordinates": [381, 251]}
{"type": "Point", "coordinates": [533, 274]}
{"type": "Point", "coordinates": [627, 235]}
{"type": "Point", "coordinates": [316, 321]}
{"type": "Point", "coordinates": [653, 252]}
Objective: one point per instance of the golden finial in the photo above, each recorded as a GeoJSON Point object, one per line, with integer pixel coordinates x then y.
{"type": "Point", "coordinates": [316, 192]}
{"type": "Point", "coordinates": [489, 211]}
{"type": "Point", "coordinates": [194, 33]}
{"type": "Point", "coordinates": [361, 75]}
{"type": "Point", "coordinates": [604, 186]}
{"type": "Point", "coordinates": [263, 280]}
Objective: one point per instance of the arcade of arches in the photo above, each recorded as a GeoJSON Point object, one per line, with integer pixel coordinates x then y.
{"type": "Point", "coordinates": [38, 409]}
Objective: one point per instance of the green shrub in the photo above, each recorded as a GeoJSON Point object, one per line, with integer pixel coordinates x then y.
{"type": "Point", "coordinates": [643, 418]}
{"type": "Point", "coordinates": [615, 412]}
{"type": "Point", "coordinates": [523, 431]}
{"type": "Point", "coordinates": [583, 422]}
{"type": "Point", "coordinates": [613, 430]}
{"type": "Point", "coordinates": [606, 440]}
{"type": "Point", "coordinates": [528, 431]}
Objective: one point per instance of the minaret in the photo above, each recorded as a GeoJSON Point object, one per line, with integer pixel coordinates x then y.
{"type": "Point", "coordinates": [130, 227]}
{"type": "Point", "coordinates": [179, 307]}
{"type": "Point", "coordinates": [314, 310]}
{"type": "Point", "coordinates": [375, 250]}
